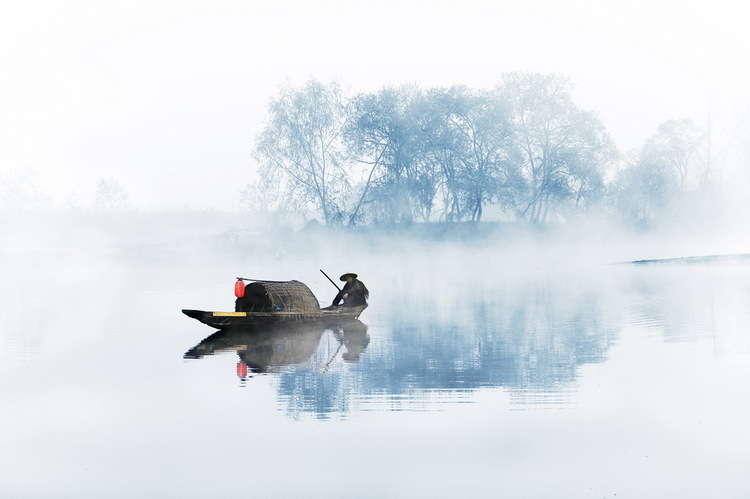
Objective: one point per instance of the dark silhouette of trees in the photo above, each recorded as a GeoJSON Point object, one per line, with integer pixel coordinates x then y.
{"type": "Point", "coordinates": [405, 154]}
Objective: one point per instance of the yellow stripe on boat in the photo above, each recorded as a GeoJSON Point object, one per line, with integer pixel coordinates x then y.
{"type": "Point", "coordinates": [230, 314]}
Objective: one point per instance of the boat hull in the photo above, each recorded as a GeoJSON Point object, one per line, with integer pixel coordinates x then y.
{"type": "Point", "coordinates": [227, 320]}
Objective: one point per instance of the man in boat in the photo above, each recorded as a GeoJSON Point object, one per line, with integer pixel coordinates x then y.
{"type": "Point", "coordinates": [354, 293]}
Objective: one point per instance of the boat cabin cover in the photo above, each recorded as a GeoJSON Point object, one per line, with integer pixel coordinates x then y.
{"type": "Point", "coordinates": [274, 296]}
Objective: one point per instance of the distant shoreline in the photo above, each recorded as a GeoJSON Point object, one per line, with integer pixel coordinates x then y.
{"type": "Point", "coordinates": [729, 258]}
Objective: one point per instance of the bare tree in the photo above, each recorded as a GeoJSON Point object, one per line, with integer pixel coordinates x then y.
{"type": "Point", "coordinates": [388, 134]}
{"type": "Point", "coordinates": [21, 190]}
{"type": "Point", "coordinates": [111, 196]}
{"type": "Point", "coordinates": [644, 189]}
{"type": "Point", "coordinates": [301, 149]}
{"type": "Point", "coordinates": [676, 145]}
{"type": "Point", "coordinates": [663, 177]}
{"type": "Point", "coordinates": [477, 125]}
{"type": "Point", "coordinates": [564, 149]}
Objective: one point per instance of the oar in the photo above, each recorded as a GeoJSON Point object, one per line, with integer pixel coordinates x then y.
{"type": "Point", "coordinates": [337, 286]}
{"type": "Point", "coordinates": [328, 364]}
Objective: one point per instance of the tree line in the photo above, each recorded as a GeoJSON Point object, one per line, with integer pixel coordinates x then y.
{"type": "Point", "coordinates": [523, 149]}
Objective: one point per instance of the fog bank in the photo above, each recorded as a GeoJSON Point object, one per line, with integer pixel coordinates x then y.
{"type": "Point", "coordinates": [249, 245]}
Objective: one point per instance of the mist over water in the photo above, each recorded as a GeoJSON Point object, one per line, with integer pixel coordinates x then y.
{"type": "Point", "coordinates": [589, 338]}
{"type": "Point", "coordinates": [491, 360]}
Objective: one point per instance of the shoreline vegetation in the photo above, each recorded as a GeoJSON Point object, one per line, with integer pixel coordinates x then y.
{"type": "Point", "coordinates": [517, 171]}
{"type": "Point", "coordinates": [522, 150]}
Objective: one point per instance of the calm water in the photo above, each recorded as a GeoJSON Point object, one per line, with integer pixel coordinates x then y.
{"type": "Point", "coordinates": [476, 378]}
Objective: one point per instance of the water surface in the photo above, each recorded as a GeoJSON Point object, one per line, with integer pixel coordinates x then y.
{"type": "Point", "coordinates": [515, 381]}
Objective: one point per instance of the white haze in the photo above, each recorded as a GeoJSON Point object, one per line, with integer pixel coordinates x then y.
{"type": "Point", "coordinates": [167, 97]}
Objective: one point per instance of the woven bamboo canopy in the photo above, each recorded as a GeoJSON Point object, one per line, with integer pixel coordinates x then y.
{"type": "Point", "coordinates": [288, 296]}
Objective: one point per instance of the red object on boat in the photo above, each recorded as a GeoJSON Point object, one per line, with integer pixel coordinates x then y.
{"type": "Point", "coordinates": [239, 289]}
{"type": "Point", "coordinates": [241, 370]}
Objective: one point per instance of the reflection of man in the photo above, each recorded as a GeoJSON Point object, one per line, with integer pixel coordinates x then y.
{"type": "Point", "coordinates": [355, 339]}
{"type": "Point", "coordinates": [354, 293]}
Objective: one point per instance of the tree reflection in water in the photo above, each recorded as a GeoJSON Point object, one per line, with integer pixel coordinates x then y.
{"type": "Point", "coordinates": [530, 345]}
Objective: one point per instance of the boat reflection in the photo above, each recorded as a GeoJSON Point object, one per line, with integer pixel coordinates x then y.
{"type": "Point", "coordinates": [264, 349]}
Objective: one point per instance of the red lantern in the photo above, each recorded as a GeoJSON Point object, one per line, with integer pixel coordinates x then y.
{"type": "Point", "coordinates": [239, 289]}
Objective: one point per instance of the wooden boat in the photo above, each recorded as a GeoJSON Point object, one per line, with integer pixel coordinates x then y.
{"type": "Point", "coordinates": [223, 320]}
{"type": "Point", "coordinates": [271, 302]}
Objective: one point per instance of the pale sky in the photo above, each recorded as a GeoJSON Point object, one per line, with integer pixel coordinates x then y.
{"type": "Point", "coordinates": [167, 96]}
